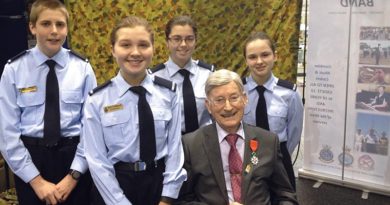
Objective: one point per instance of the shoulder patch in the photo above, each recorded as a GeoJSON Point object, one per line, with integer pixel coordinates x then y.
{"type": "Point", "coordinates": [17, 56]}
{"type": "Point", "coordinates": [158, 67]}
{"type": "Point", "coordinates": [205, 65]}
{"type": "Point", "coordinates": [287, 84]}
{"type": "Point", "coordinates": [165, 83]}
{"type": "Point", "coordinates": [78, 55]}
{"type": "Point", "coordinates": [100, 87]}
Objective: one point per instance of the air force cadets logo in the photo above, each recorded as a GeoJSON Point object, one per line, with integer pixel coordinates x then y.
{"type": "Point", "coordinates": [346, 158]}
{"type": "Point", "coordinates": [365, 162]}
{"type": "Point", "coordinates": [326, 155]}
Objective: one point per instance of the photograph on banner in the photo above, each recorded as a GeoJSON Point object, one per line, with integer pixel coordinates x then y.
{"type": "Point", "coordinates": [374, 75]}
{"type": "Point", "coordinates": [371, 97]}
{"type": "Point", "coordinates": [372, 134]}
{"type": "Point", "coordinates": [374, 33]}
{"type": "Point", "coordinates": [374, 52]}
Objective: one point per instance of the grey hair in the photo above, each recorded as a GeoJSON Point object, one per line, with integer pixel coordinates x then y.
{"type": "Point", "coordinates": [222, 77]}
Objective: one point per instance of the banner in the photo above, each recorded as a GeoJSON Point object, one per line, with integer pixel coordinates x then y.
{"type": "Point", "coordinates": [347, 110]}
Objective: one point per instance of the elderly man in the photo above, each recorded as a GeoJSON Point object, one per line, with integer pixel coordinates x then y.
{"type": "Point", "coordinates": [229, 162]}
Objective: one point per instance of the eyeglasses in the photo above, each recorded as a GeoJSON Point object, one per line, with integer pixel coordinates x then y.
{"type": "Point", "coordinates": [221, 101]}
{"type": "Point", "coordinates": [176, 40]}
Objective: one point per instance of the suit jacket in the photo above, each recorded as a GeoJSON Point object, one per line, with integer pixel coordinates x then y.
{"type": "Point", "coordinates": [264, 183]}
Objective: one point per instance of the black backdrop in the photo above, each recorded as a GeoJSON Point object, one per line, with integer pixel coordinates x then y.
{"type": "Point", "coordinates": [13, 26]}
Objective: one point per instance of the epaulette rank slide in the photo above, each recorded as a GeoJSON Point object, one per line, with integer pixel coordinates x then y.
{"type": "Point", "coordinates": [287, 84]}
{"type": "Point", "coordinates": [17, 56]}
{"type": "Point", "coordinates": [100, 87]}
{"type": "Point", "coordinates": [165, 83]}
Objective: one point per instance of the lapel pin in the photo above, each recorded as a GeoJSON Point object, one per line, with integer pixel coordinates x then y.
{"type": "Point", "coordinates": [248, 168]}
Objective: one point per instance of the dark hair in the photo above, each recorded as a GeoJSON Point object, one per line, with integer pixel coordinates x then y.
{"type": "Point", "coordinates": [182, 21]}
{"type": "Point", "coordinates": [41, 5]}
{"type": "Point", "coordinates": [131, 22]}
{"type": "Point", "coordinates": [259, 36]}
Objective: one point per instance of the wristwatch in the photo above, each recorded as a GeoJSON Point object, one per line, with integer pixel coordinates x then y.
{"type": "Point", "coordinates": [75, 174]}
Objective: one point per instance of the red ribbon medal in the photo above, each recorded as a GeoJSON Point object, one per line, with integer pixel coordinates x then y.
{"type": "Point", "coordinates": [253, 144]}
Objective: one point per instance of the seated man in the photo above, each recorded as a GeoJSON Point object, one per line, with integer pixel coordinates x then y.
{"type": "Point", "coordinates": [379, 102]}
{"type": "Point", "coordinates": [229, 162]}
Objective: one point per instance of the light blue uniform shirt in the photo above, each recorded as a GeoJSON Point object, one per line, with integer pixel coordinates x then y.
{"type": "Point", "coordinates": [284, 109]}
{"type": "Point", "coordinates": [112, 134]}
{"type": "Point", "coordinates": [198, 77]}
{"type": "Point", "coordinates": [22, 102]}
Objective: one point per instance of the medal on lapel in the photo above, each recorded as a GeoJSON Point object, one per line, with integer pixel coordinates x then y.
{"type": "Point", "coordinates": [254, 145]}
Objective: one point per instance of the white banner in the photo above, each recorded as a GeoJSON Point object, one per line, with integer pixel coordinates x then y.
{"type": "Point", "coordinates": [347, 110]}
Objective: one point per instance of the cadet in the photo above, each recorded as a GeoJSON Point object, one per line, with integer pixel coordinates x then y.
{"type": "Point", "coordinates": [42, 93]}
{"type": "Point", "coordinates": [274, 104]}
{"type": "Point", "coordinates": [132, 126]}
{"type": "Point", "coordinates": [190, 75]}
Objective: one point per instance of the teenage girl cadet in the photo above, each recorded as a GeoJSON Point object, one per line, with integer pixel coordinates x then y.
{"type": "Point", "coordinates": [132, 126]}
{"type": "Point", "coordinates": [190, 75]}
{"type": "Point", "coordinates": [274, 104]}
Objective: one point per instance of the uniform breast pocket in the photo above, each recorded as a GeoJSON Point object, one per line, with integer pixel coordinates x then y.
{"type": "Point", "coordinates": [247, 110]}
{"type": "Point", "coordinates": [200, 97]}
{"type": "Point", "coordinates": [114, 127]}
{"type": "Point", "coordinates": [32, 105]}
{"type": "Point", "coordinates": [277, 116]}
{"type": "Point", "coordinates": [162, 117]}
{"type": "Point", "coordinates": [72, 101]}
{"type": "Point", "coordinates": [249, 115]}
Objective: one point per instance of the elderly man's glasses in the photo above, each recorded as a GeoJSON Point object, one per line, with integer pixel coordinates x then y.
{"type": "Point", "coordinates": [221, 101]}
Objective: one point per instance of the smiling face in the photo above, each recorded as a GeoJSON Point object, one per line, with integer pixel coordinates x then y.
{"type": "Point", "coordinates": [260, 59]}
{"type": "Point", "coordinates": [133, 51]}
{"type": "Point", "coordinates": [227, 114]}
{"type": "Point", "coordinates": [50, 30]}
{"type": "Point", "coordinates": [181, 50]}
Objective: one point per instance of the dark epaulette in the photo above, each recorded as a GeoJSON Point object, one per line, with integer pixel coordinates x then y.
{"type": "Point", "coordinates": [157, 68]}
{"type": "Point", "coordinates": [287, 84]}
{"type": "Point", "coordinates": [205, 65]}
{"type": "Point", "coordinates": [78, 55]}
{"type": "Point", "coordinates": [17, 56]}
{"type": "Point", "coordinates": [165, 83]}
{"type": "Point", "coordinates": [100, 87]}
{"type": "Point", "coordinates": [243, 80]}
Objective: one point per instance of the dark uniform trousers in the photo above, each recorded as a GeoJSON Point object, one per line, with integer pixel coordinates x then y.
{"type": "Point", "coordinates": [139, 187]}
{"type": "Point", "coordinates": [287, 163]}
{"type": "Point", "coordinates": [53, 164]}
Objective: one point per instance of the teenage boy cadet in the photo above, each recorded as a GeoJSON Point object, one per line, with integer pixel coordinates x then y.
{"type": "Point", "coordinates": [42, 91]}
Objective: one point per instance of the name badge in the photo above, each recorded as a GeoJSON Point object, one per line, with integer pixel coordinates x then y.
{"type": "Point", "coordinates": [28, 89]}
{"type": "Point", "coordinates": [112, 108]}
